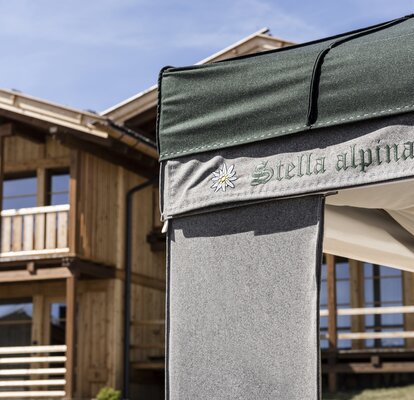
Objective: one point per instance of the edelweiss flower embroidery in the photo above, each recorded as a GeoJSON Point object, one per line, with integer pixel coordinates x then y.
{"type": "Point", "coordinates": [224, 177]}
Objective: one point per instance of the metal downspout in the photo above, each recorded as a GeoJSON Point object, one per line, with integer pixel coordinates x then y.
{"type": "Point", "coordinates": [127, 281]}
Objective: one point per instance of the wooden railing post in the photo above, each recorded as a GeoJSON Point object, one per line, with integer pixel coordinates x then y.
{"type": "Point", "coordinates": [356, 274]}
{"type": "Point", "coordinates": [332, 323]}
{"type": "Point", "coordinates": [71, 284]}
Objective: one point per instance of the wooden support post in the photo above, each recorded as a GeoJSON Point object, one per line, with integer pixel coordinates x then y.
{"type": "Point", "coordinates": [2, 152]}
{"type": "Point", "coordinates": [332, 323]}
{"type": "Point", "coordinates": [356, 287]}
{"type": "Point", "coordinates": [376, 276]}
{"type": "Point", "coordinates": [42, 188]}
{"type": "Point", "coordinates": [73, 200]}
{"type": "Point", "coordinates": [71, 284]}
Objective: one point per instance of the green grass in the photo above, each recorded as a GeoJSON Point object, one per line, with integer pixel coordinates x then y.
{"type": "Point", "coordinates": [404, 393]}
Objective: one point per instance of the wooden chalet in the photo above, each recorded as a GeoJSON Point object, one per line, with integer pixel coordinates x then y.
{"type": "Point", "coordinates": [67, 235]}
{"type": "Point", "coordinates": [65, 175]}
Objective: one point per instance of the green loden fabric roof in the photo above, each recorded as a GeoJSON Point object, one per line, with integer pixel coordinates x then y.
{"type": "Point", "coordinates": [351, 77]}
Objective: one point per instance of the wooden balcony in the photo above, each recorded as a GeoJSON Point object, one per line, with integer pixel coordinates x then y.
{"type": "Point", "coordinates": [32, 372]}
{"type": "Point", "coordinates": [34, 231]}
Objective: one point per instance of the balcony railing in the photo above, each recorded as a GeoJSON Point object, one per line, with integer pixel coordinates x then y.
{"type": "Point", "coordinates": [372, 311]}
{"type": "Point", "coordinates": [38, 230]}
{"type": "Point", "coordinates": [32, 372]}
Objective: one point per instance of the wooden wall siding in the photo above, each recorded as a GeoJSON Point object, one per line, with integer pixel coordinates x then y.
{"type": "Point", "coordinates": [21, 150]}
{"type": "Point", "coordinates": [97, 209]}
{"type": "Point", "coordinates": [99, 346]}
{"type": "Point", "coordinates": [101, 217]}
{"type": "Point", "coordinates": [144, 261]}
{"type": "Point", "coordinates": [148, 328]}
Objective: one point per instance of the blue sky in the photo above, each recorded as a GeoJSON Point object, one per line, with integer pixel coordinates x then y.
{"type": "Point", "coordinates": [93, 54]}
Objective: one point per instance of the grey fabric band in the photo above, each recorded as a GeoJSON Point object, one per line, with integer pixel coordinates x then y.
{"type": "Point", "coordinates": [341, 157]}
{"type": "Point", "coordinates": [243, 296]}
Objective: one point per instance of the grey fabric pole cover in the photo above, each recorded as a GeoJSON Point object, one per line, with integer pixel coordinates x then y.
{"type": "Point", "coordinates": [243, 302]}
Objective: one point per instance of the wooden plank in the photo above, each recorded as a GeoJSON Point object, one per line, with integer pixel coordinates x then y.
{"type": "Point", "coordinates": [356, 287]}
{"type": "Point", "coordinates": [148, 365]}
{"type": "Point", "coordinates": [15, 256]}
{"type": "Point", "coordinates": [33, 382]}
{"type": "Point", "coordinates": [332, 323]}
{"type": "Point", "coordinates": [17, 224]}
{"type": "Point", "coordinates": [368, 368]}
{"type": "Point", "coordinates": [28, 232]}
{"type": "Point", "coordinates": [370, 335]}
{"type": "Point", "coordinates": [23, 166]}
{"type": "Point", "coordinates": [32, 371]}
{"type": "Point", "coordinates": [71, 284]}
{"type": "Point", "coordinates": [51, 231]}
{"type": "Point", "coordinates": [33, 394]}
{"type": "Point", "coordinates": [62, 230]}
{"type": "Point", "coordinates": [35, 210]}
{"type": "Point", "coordinates": [6, 234]}
{"type": "Point", "coordinates": [149, 322]}
{"type": "Point", "coordinates": [37, 320]}
{"type": "Point", "coordinates": [375, 335]}
{"type": "Point", "coordinates": [25, 360]}
{"type": "Point", "coordinates": [371, 310]}
{"type": "Point", "coordinates": [40, 231]}
{"type": "Point", "coordinates": [33, 349]}
{"type": "Point", "coordinates": [41, 274]}
{"type": "Point", "coordinates": [42, 187]}
{"type": "Point", "coordinates": [74, 182]}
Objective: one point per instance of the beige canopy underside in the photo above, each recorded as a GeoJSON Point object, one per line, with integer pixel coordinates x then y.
{"type": "Point", "coordinates": [373, 224]}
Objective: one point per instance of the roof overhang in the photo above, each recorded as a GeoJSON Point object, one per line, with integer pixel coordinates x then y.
{"type": "Point", "coordinates": [52, 117]}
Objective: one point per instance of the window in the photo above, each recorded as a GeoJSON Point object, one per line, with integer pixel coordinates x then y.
{"type": "Point", "coordinates": [58, 188]}
{"type": "Point", "coordinates": [57, 323]}
{"type": "Point", "coordinates": [16, 323]}
{"type": "Point", "coordinates": [383, 288]}
{"type": "Point", "coordinates": [19, 192]}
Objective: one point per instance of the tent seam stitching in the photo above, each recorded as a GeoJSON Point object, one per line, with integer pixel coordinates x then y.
{"type": "Point", "coordinates": [296, 129]}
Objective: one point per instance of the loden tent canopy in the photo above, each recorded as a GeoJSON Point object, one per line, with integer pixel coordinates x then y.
{"type": "Point", "coordinates": [256, 151]}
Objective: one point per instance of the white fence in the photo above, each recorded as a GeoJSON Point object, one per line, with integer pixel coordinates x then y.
{"type": "Point", "coordinates": [25, 372]}
{"type": "Point", "coordinates": [371, 311]}
{"type": "Point", "coordinates": [38, 230]}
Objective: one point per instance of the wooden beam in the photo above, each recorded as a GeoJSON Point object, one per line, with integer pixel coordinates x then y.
{"type": "Point", "coordinates": [369, 368]}
{"type": "Point", "coordinates": [26, 131]}
{"type": "Point", "coordinates": [149, 365]}
{"type": "Point", "coordinates": [332, 323]}
{"type": "Point", "coordinates": [42, 274]}
{"type": "Point", "coordinates": [90, 268]}
{"type": "Point", "coordinates": [357, 299]}
{"type": "Point", "coordinates": [31, 267]}
{"type": "Point", "coordinates": [42, 187]}
{"type": "Point", "coordinates": [6, 129]}
{"type": "Point", "coordinates": [47, 163]}
{"type": "Point", "coordinates": [71, 284]}
{"type": "Point", "coordinates": [74, 172]}
{"type": "Point", "coordinates": [2, 152]}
